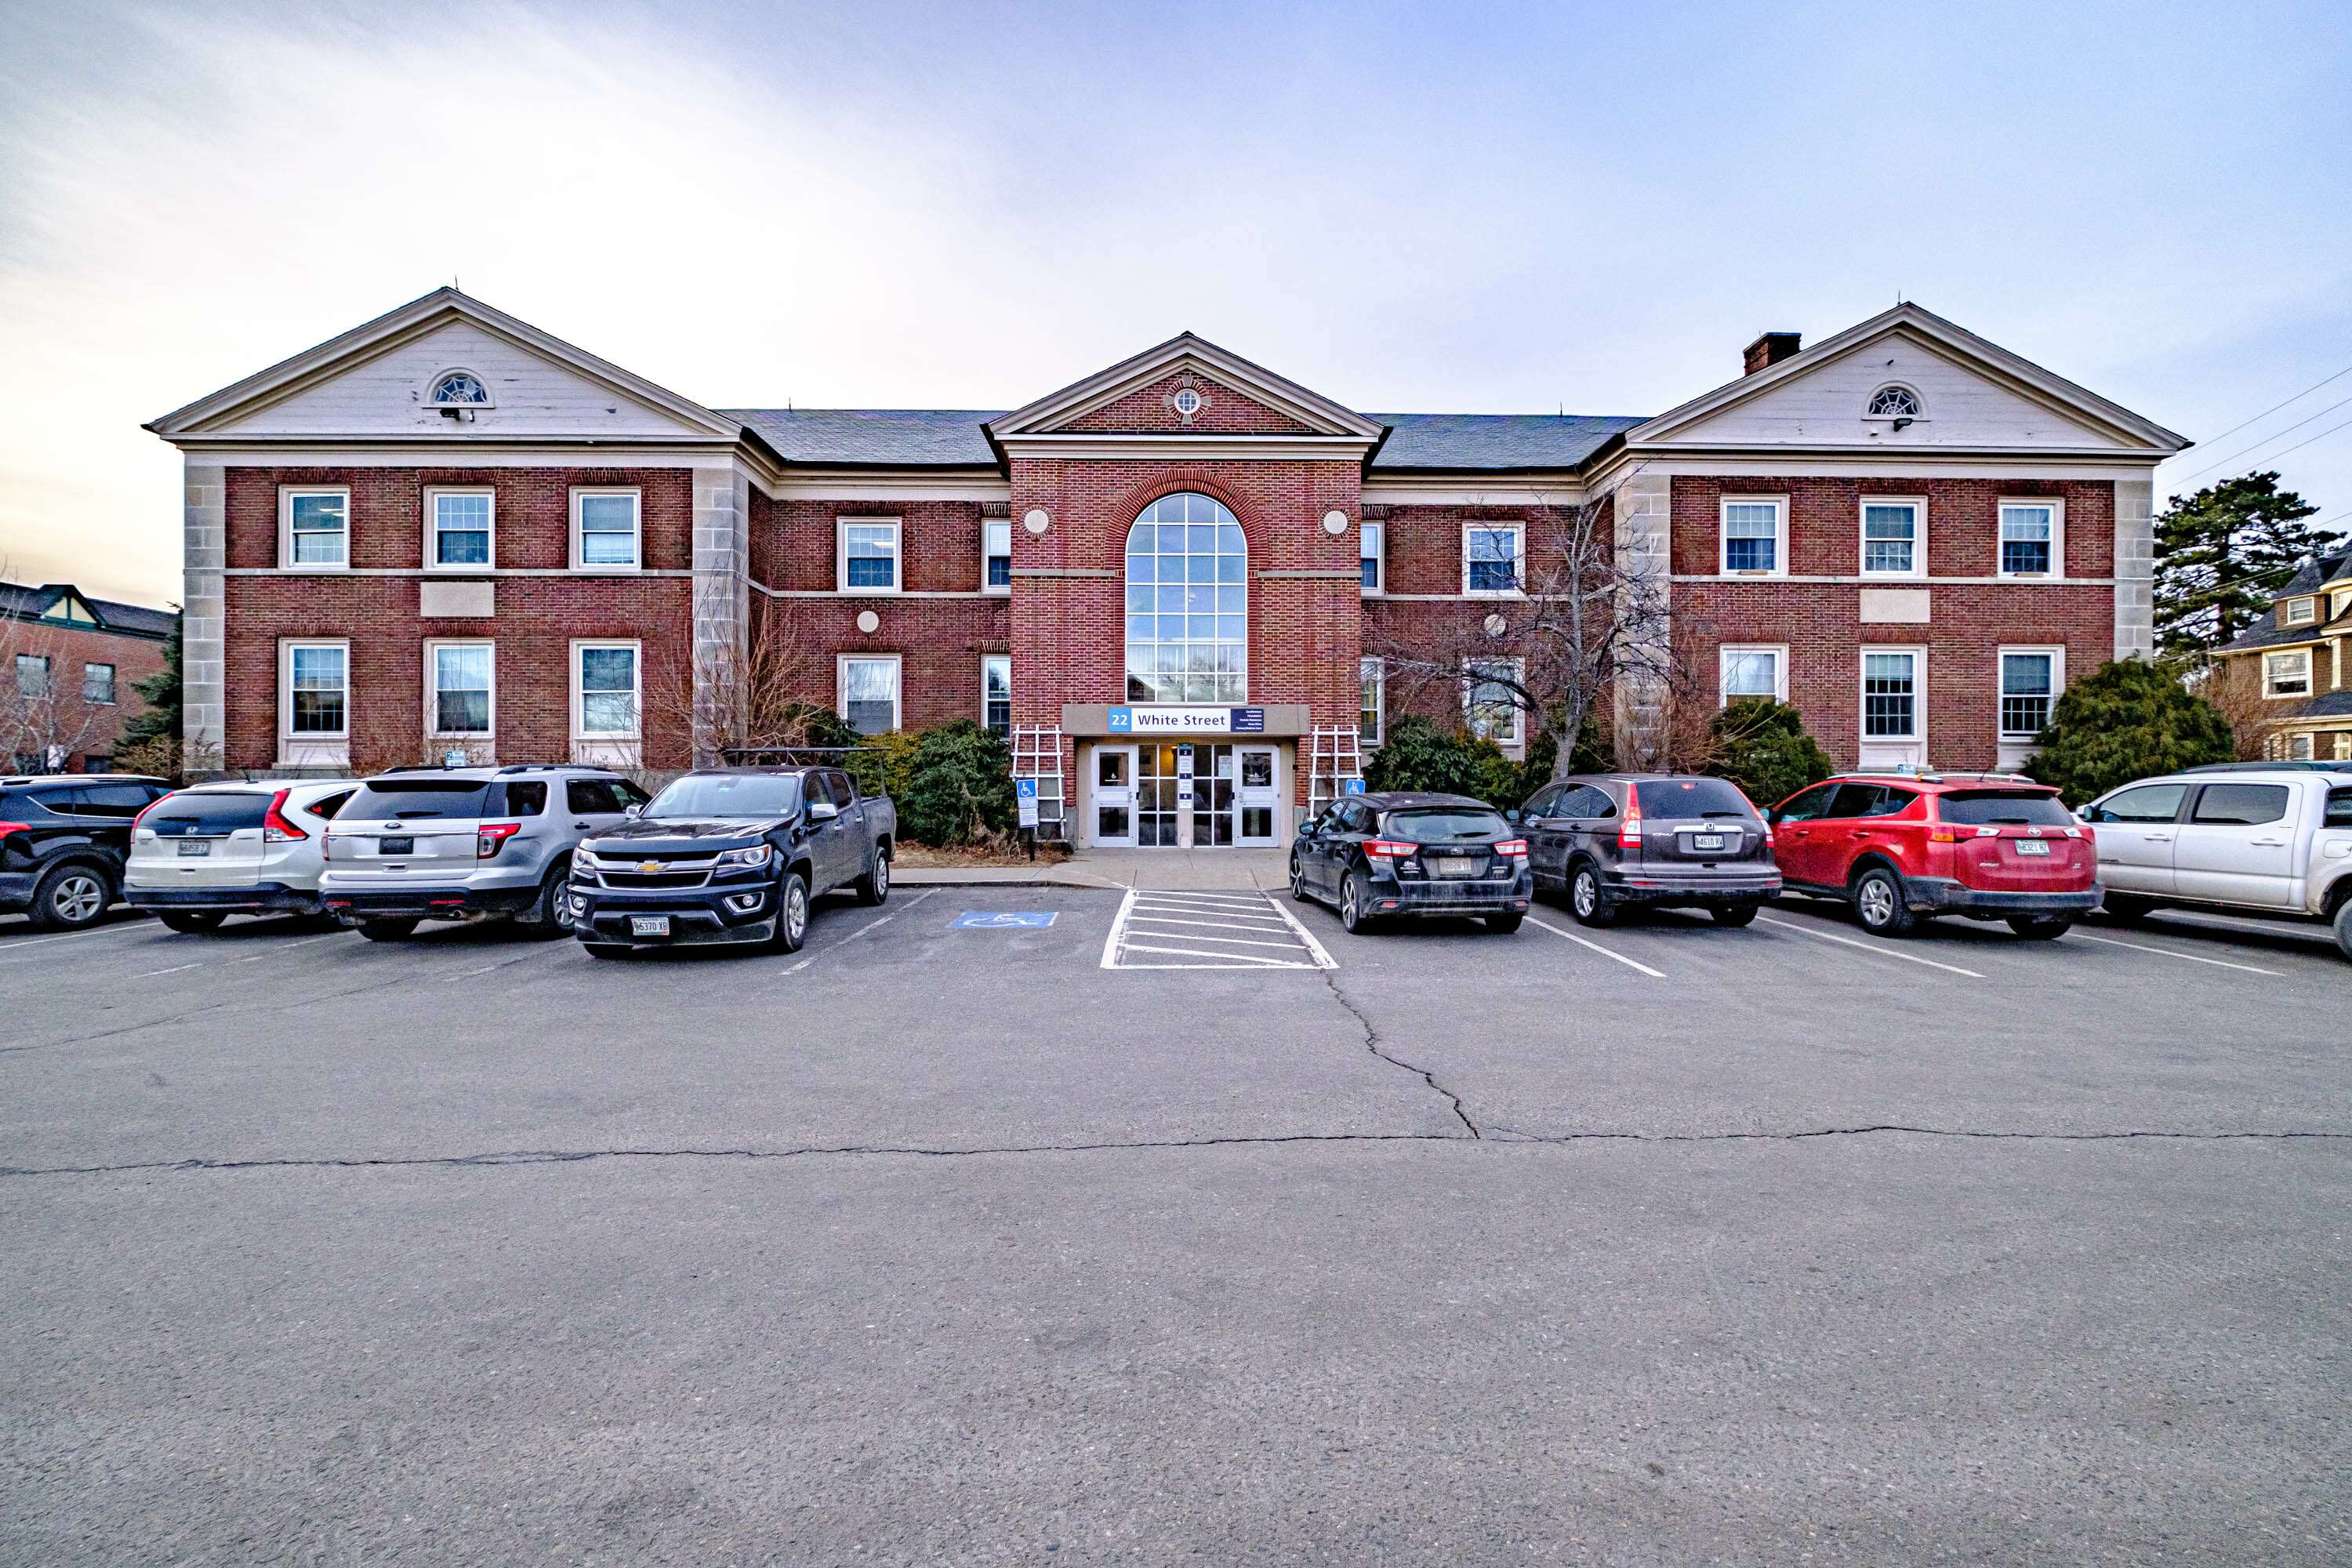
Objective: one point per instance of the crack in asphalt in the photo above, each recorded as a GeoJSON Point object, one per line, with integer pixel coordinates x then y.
{"type": "Point", "coordinates": [1505, 1136]}
{"type": "Point", "coordinates": [1372, 1044]}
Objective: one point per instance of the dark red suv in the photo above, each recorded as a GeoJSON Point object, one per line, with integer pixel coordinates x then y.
{"type": "Point", "coordinates": [1901, 848]}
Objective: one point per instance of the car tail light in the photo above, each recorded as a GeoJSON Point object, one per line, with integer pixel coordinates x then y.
{"type": "Point", "coordinates": [1389, 848]}
{"type": "Point", "coordinates": [8, 827]}
{"type": "Point", "coordinates": [135, 821]}
{"type": "Point", "coordinates": [1514, 847]}
{"type": "Point", "coordinates": [275, 828]}
{"type": "Point", "coordinates": [1943, 835]}
{"type": "Point", "coordinates": [1629, 832]}
{"type": "Point", "coordinates": [492, 836]}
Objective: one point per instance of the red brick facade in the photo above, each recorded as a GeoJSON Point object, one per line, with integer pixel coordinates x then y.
{"type": "Point", "coordinates": [87, 730]}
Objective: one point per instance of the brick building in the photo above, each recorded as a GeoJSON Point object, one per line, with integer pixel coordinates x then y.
{"type": "Point", "coordinates": [74, 665]}
{"type": "Point", "coordinates": [447, 531]}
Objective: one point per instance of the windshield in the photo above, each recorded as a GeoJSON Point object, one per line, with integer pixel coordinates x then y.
{"type": "Point", "coordinates": [419, 798]}
{"type": "Point", "coordinates": [1443, 824]}
{"type": "Point", "coordinates": [2002, 808]}
{"type": "Point", "coordinates": [1672, 798]}
{"type": "Point", "coordinates": [705, 795]}
{"type": "Point", "coordinates": [203, 812]}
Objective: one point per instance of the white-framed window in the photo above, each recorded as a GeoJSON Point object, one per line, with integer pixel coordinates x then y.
{"type": "Point", "coordinates": [996, 556]}
{"type": "Point", "coordinates": [314, 682]}
{"type": "Point", "coordinates": [1755, 532]}
{"type": "Point", "coordinates": [457, 527]}
{"type": "Point", "coordinates": [97, 683]}
{"type": "Point", "coordinates": [2298, 748]}
{"type": "Point", "coordinates": [33, 675]}
{"type": "Point", "coordinates": [460, 389]}
{"type": "Point", "coordinates": [2031, 679]}
{"type": "Point", "coordinates": [1893, 402]}
{"type": "Point", "coordinates": [1490, 702]}
{"type": "Point", "coordinates": [865, 555]}
{"type": "Point", "coordinates": [1372, 717]}
{"type": "Point", "coordinates": [2288, 674]}
{"type": "Point", "coordinates": [1492, 559]}
{"type": "Point", "coordinates": [1894, 537]}
{"type": "Point", "coordinates": [1187, 603]}
{"type": "Point", "coordinates": [2033, 537]}
{"type": "Point", "coordinates": [607, 529]}
{"type": "Point", "coordinates": [606, 689]}
{"type": "Point", "coordinates": [867, 687]}
{"type": "Point", "coordinates": [2338, 602]}
{"type": "Point", "coordinates": [2298, 612]}
{"type": "Point", "coordinates": [1372, 551]}
{"type": "Point", "coordinates": [996, 693]}
{"type": "Point", "coordinates": [1753, 669]}
{"type": "Point", "coordinates": [314, 528]}
{"type": "Point", "coordinates": [1893, 693]}
{"type": "Point", "coordinates": [460, 688]}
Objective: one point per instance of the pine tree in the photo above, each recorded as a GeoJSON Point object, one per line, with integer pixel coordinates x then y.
{"type": "Point", "coordinates": [160, 719]}
{"type": "Point", "coordinates": [2127, 720]}
{"type": "Point", "coordinates": [2221, 556]}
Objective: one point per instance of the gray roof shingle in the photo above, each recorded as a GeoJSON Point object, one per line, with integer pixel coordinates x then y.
{"type": "Point", "coordinates": [22, 600]}
{"type": "Point", "coordinates": [1475, 441]}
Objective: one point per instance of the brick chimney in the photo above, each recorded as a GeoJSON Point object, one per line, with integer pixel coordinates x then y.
{"type": "Point", "coordinates": [1771, 349]}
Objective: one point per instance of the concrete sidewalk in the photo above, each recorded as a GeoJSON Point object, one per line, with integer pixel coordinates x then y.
{"type": "Point", "coordinates": [1167, 871]}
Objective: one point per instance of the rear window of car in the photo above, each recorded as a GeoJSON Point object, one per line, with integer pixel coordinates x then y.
{"type": "Point", "coordinates": [1692, 797]}
{"type": "Point", "coordinates": [2002, 807]}
{"type": "Point", "coordinates": [2241, 806]}
{"type": "Point", "coordinates": [206, 812]}
{"type": "Point", "coordinates": [419, 798]}
{"type": "Point", "coordinates": [2339, 808]}
{"type": "Point", "coordinates": [1443, 824]}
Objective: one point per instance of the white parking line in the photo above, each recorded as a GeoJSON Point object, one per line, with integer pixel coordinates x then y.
{"type": "Point", "coordinates": [151, 973]}
{"type": "Point", "coordinates": [1227, 960]}
{"type": "Point", "coordinates": [116, 930]}
{"type": "Point", "coordinates": [2169, 952]}
{"type": "Point", "coordinates": [1883, 951]}
{"type": "Point", "coordinates": [861, 930]}
{"type": "Point", "coordinates": [1248, 923]}
{"type": "Point", "coordinates": [1630, 964]}
{"type": "Point", "coordinates": [282, 947]}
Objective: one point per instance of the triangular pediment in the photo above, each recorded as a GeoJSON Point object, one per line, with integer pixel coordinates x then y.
{"type": "Point", "coordinates": [379, 381]}
{"type": "Point", "coordinates": [1967, 393]}
{"type": "Point", "coordinates": [1185, 386]}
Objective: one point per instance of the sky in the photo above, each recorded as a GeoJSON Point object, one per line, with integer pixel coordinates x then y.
{"type": "Point", "coordinates": [1417, 207]}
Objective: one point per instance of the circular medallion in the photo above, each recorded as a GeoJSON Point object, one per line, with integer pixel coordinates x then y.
{"type": "Point", "coordinates": [1036, 520]}
{"type": "Point", "coordinates": [1497, 625]}
{"type": "Point", "coordinates": [1335, 522]}
{"type": "Point", "coordinates": [868, 621]}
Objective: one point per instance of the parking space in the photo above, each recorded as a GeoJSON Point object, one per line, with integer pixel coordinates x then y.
{"type": "Point", "coordinates": [1208, 931]}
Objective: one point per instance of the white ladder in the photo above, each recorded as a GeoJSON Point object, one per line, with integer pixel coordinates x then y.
{"type": "Point", "coordinates": [1335, 759]}
{"type": "Point", "coordinates": [1037, 754]}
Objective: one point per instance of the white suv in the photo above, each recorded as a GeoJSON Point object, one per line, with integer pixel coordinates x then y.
{"type": "Point", "coordinates": [201, 854]}
{"type": "Point", "coordinates": [2267, 838]}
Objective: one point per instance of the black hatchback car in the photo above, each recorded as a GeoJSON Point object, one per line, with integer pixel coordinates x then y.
{"type": "Point", "coordinates": [63, 840]}
{"type": "Point", "coordinates": [1653, 841]}
{"type": "Point", "coordinates": [1377, 857]}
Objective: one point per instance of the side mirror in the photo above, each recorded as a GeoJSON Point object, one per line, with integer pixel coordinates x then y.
{"type": "Point", "coordinates": [1512, 815]}
{"type": "Point", "coordinates": [633, 809]}
{"type": "Point", "coordinates": [1773, 815]}
{"type": "Point", "coordinates": [823, 811]}
{"type": "Point", "coordinates": [2084, 813]}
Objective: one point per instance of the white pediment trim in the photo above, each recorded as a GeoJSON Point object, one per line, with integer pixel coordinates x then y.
{"type": "Point", "coordinates": [1936, 335]}
{"type": "Point", "coordinates": [1051, 414]}
{"type": "Point", "coordinates": [394, 329]}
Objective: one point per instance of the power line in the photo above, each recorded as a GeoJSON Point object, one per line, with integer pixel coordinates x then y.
{"type": "Point", "coordinates": [2266, 440]}
{"type": "Point", "coordinates": [2274, 408]}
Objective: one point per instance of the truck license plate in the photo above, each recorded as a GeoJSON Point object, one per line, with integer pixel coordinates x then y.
{"type": "Point", "coordinates": [396, 846]}
{"type": "Point", "coordinates": [649, 925]}
{"type": "Point", "coordinates": [2034, 846]}
{"type": "Point", "coordinates": [194, 847]}
{"type": "Point", "coordinates": [1706, 840]}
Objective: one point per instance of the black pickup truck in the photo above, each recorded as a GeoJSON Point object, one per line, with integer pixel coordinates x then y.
{"type": "Point", "coordinates": [730, 854]}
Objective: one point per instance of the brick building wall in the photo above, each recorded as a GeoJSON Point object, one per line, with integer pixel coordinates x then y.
{"type": "Point", "coordinates": [88, 731]}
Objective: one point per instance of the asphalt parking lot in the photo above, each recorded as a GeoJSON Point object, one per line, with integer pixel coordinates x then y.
{"type": "Point", "coordinates": [993, 1240]}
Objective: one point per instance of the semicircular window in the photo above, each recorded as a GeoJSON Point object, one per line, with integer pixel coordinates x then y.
{"type": "Point", "coordinates": [1894, 402]}
{"type": "Point", "coordinates": [459, 389]}
{"type": "Point", "coordinates": [1187, 603]}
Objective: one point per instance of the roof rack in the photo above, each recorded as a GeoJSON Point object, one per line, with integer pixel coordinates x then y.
{"type": "Point", "coordinates": [788, 756]}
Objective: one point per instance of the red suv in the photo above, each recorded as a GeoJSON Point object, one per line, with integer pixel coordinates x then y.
{"type": "Point", "coordinates": [1901, 848]}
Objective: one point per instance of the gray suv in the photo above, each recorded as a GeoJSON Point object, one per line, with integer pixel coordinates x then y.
{"type": "Point", "coordinates": [1660, 840]}
{"type": "Point", "coordinates": [457, 844]}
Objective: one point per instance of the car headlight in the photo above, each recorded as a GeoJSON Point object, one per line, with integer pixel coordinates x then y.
{"type": "Point", "coordinates": [755, 855]}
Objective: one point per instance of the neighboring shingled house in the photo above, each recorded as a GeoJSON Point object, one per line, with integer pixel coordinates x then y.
{"type": "Point", "coordinates": [2292, 663]}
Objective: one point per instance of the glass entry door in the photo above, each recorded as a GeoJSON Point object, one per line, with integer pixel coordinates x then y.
{"type": "Point", "coordinates": [1256, 807]}
{"type": "Point", "coordinates": [1114, 796]}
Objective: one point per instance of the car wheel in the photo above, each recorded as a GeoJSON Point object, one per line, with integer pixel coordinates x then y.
{"type": "Point", "coordinates": [1588, 901]}
{"type": "Point", "coordinates": [1734, 914]}
{"type": "Point", "coordinates": [873, 887]}
{"type": "Point", "coordinates": [2040, 928]}
{"type": "Point", "coordinates": [1503, 925]}
{"type": "Point", "coordinates": [546, 917]}
{"type": "Point", "coordinates": [191, 921]}
{"type": "Point", "coordinates": [2124, 908]}
{"type": "Point", "coordinates": [791, 913]}
{"type": "Point", "coordinates": [388, 930]}
{"type": "Point", "coordinates": [70, 897]}
{"type": "Point", "coordinates": [1878, 903]}
{"type": "Point", "coordinates": [2344, 927]}
{"type": "Point", "coordinates": [1353, 898]}
{"type": "Point", "coordinates": [1298, 883]}
{"type": "Point", "coordinates": [606, 949]}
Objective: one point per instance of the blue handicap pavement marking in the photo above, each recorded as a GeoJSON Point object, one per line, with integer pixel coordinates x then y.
{"type": "Point", "coordinates": [1003, 919]}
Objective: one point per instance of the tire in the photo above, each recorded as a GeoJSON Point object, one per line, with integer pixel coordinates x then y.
{"type": "Point", "coordinates": [544, 917]}
{"type": "Point", "coordinates": [1298, 893]}
{"type": "Point", "coordinates": [1353, 896]}
{"type": "Point", "coordinates": [873, 887]}
{"type": "Point", "coordinates": [71, 896]}
{"type": "Point", "coordinates": [191, 921]}
{"type": "Point", "coordinates": [389, 931]}
{"type": "Point", "coordinates": [606, 949]}
{"type": "Point", "coordinates": [2040, 928]}
{"type": "Point", "coordinates": [1734, 914]}
{"type": "Point", "coordinates": [1878, 903]}
{"type": "Point", "coordinates": [2344, 927]}
{"type": "Point", "coordinates": [791, 913]}
{"type": "Point", "coordinates": [2125, 908]}
{"type": "Point", "coordinates": [1588, 901]}
{"type": "Point", "coordinates": [1503, 925]}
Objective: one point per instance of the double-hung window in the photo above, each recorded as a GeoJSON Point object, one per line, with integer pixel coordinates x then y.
{"type": "Point", "coordinates": [1375, 563]}
{"type": "Point", "coordinates": [869, 692]}
{"type": "Point", "coordinates": [97, 683]}
{"type": "Point", "coordinates": [2298, 612]}
{"type": "Point", "coordinates": [2288, 674]}
{"type": "Point", "coordinates": [604, 691]}
{"type": "Point", "coordinates": [996, 692]}
{"type": "Point", "coordinates": [866, 555]}
{"type": "Point", "coordinates": [1894, 542]}
{"type": "Point", "coordinates": [32, 676]}
{"type": "Point", "coordinates": [1890, 694]}
{"type": "Point", "coordinates": [607, 529]}
{"type": "Point", "coordinates": [460, 679]}
{"type": "Point", "coordinates": [318, 691]}
{"type": "Point", "coordinates": [1372, 720]}
{"type": "Point", "coordinates": [2029, 685]}
{"type": "Point", "coordinates": [457, 530]}
{"type": "Point", "coordinates": [996, 555]}
{"type": "Point", "coordinates": [1755, 539]}
{"type": "Point", "coordinates": [1490, 559]}
{"type": "Point", "coordinates": [315, 529]}
{"type": "Point", "coordinates": [1754, 671]}
{"type": "Point", "coordinates": [2029, 537]}
{"type": "Point", "coordinates": [1490, 702]}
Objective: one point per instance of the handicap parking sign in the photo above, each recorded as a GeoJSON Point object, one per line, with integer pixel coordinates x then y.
{"type": "Point", "coordinates": [1351, 786]}
{"type": "Point", "coordinates": [1003, 919]}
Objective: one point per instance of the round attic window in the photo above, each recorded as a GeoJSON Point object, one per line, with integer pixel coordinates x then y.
{"type": "Point", "coordinates": [1894, 403]}
{"type": "Point", "coordinates": [459, 389]}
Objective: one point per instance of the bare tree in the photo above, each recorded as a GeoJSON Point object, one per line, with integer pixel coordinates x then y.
{"type": "Point", "coordinates": [1572, 613]}
{"type": "Point", "coordinates": [45, 716]}
{"type": "Point", "coordinates": [768, 693]}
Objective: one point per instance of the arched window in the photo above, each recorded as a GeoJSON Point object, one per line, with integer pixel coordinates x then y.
{"type": "Point", "coordinates": [1894, 403]}
{"type": "Point", "coordinates": [1187, 603]}
{"type": "Point", "coordinates": [459, 389]}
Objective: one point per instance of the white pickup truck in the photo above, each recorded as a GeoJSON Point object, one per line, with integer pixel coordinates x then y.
{"type": "Point", "coordinates": [2274, 840]}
